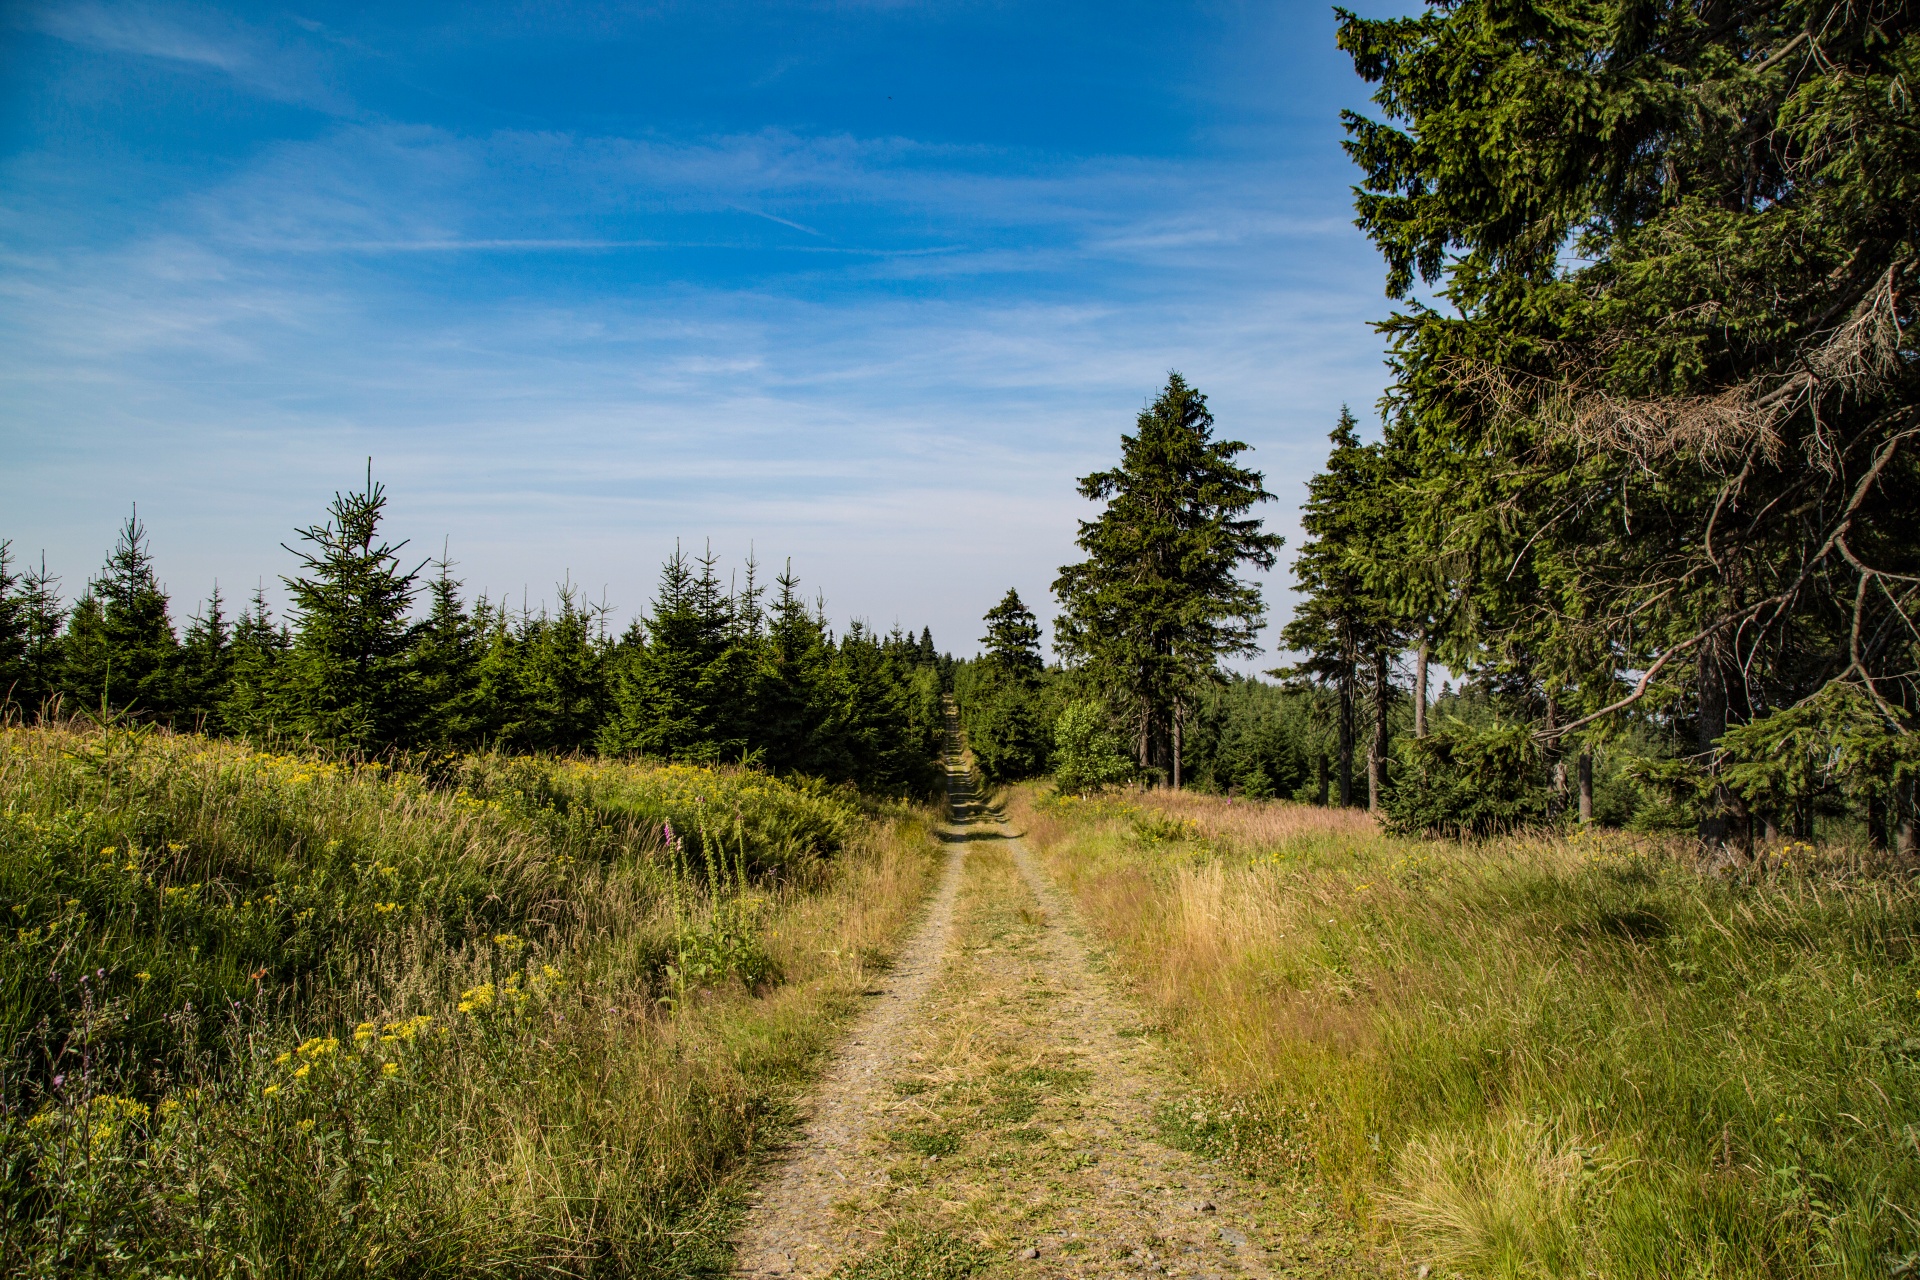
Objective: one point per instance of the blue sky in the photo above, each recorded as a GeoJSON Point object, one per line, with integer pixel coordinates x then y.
{"type": "Point", "coordinates": [867, 285]}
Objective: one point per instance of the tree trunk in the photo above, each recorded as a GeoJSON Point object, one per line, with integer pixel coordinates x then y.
{"type": "Point", "coordinates": [1420, 687]}
{"type": "Point", "coordinates": [1346, 739]}
{"type": "Point", "coordinates": [1177, 740]}
{"type": "Point", "coordinates": [1876, 820]}
{"type": "Point", "coordinates": [1712, 725]}
{"type": "Point", "coordinates": [1585, 771]}
{"type": "Point", "coordinates": [1320, 767]}
{"type": "Point", "coordinates": [1557, 797]}
{"type": "Point", "coordinates": [1377, 752]}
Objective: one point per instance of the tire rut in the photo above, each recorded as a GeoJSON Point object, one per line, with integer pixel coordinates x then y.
{"type": "Point", "coordinates": [1002, 1100]}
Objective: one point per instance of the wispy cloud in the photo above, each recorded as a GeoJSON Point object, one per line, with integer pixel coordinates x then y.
{"type": "Point", "coordinates": [260, 60]}
{"type": "Point", "coordinates": [565, 349]}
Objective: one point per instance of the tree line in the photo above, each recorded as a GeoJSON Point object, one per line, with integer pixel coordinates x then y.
{"type": "Point", "coordinates": [378, 653]}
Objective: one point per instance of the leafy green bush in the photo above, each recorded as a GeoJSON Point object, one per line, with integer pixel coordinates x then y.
{"type": "Point", "coordinates": [1086, 752]}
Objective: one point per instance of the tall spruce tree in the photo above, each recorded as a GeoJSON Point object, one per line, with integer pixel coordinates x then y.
{"type": "Point", "coordinates": [1345, 626]}
{"type": "Point", "coordinates": [348, 680]}
{"type": "Point", "coordinates": [1158, 601]}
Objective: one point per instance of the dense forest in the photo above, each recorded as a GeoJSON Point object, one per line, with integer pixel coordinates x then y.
{"type": "Point", "coordinates": [378, 655]}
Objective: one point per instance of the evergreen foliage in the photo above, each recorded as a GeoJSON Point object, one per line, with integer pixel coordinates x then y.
{"type": "Point", "coordinates": [1158, 602]}
{"type": "Point", "coordinates": [1641, 474]}
{"type": "Point", "coordinates": [1346, 627]}
{"type": "Point", "coordinates": [119, 650]}
{"type": "Point", "coordinates": [1004, 705]}
{"type": "Point", "coordinates": [381, 656]}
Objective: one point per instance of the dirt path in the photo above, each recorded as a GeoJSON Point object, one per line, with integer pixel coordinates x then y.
{"type": "Point", "coordinates": [994, 1112]}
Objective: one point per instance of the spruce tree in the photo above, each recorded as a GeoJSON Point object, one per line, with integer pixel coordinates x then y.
{"type": "Point", "coordinates": [1003, 715]}
{"type": "Point", "coordinates": [14, 623]}
{"type": "Point", "coordinates": [347, 680]}
{"type": "Point", "coordinates": [1346, 625]}
{"type": "Point", "coordinates": [563, 676]}
{"type": "Point", "coordinates": [258, 648]}
{"type": "Point", "coordinates": [45, 619]}
{"type": "Point", "coordinates": [659, 706]}
{"type": "Point", "coordinates": [120, 650]}
{"type": "Point", "coordinates": [446, 659]}
{"type": "Point", "coordinates": [206, 666]}
{"type": "Point", "coordinates": [792, 681]}
{"type": "Point", "coordinates": [1158, 601]}
{"type": "Point", "coordinates": [1674, 371]}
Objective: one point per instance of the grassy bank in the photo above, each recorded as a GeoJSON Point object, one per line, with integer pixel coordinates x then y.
{"type": "Point", "coordinates": [274, 1016]}
{"type": "Point", "coordinates": [1531, 1057]}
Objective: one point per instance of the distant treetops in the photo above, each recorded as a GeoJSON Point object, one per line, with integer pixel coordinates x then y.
{"type": "Point", "coordinates": [378, 653]}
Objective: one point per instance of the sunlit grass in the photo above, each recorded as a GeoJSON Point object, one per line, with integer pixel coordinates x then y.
{"type": "Point", "coordinates": [1535, 1056]}
{"type": "Point", "coordinates": [272, 1015]}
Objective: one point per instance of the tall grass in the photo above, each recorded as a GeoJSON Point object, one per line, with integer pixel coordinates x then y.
{"type": "Point", "coordinates": [277, 1016]}
{"type": "Point", "coordinates": [1535, 1056]}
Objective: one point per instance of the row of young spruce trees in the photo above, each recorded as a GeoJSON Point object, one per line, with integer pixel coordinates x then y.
{"type": "Point", "coordinates": [382, 655]}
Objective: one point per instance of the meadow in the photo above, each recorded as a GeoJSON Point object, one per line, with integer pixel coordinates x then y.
{"type": "Point", "coordinates": [1551, 1055]}
{"type": "Point", "coordinates": [275, 1014]}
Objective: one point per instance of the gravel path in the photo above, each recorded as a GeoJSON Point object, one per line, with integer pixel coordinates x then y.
{"type": "Point", "coordinates": [995, 1112]}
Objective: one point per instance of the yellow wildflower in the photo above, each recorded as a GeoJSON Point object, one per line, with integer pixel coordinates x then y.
{"type": "Point", "coordinates": [389, 1069]}
{"type": "Point", "coordinates": [306, 1126]}
{"type": "Point", "coordinates": [477, 999]}
{"type": "Point", "coordinates": [301, 1074]}
{"type": "Point", "coordinates": [270, 1090]}
{"type": "Point", "coordinates": [144, 976]}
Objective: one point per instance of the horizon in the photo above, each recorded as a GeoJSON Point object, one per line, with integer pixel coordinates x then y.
{"type": "Point", "coordinates": [870, 287]}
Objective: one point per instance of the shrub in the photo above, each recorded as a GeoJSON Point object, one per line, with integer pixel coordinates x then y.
{"type": "Point", "coordinates": [1464, 780]}
{"type": "Point", "coordinates": [1086, 753]}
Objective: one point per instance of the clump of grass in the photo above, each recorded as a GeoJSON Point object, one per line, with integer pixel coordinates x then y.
{"type": "Point", "coordinates": [283, 1016]}
{"type": "Point", "coordinates": [1531, 1056]}
{"type": "Point", "coordinates": [909, 1254]}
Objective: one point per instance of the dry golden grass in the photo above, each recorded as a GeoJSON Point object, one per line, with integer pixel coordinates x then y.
{"type": "Point", "coordinates": [1542, 1055]}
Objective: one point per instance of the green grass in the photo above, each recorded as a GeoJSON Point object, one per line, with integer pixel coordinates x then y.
{"type": "Point", "coordinates": [269, 1015]}
{"type": "Point", "coordinates": [1534, 1056]}
{"type": "Point", "coordinates": [916, 1255]}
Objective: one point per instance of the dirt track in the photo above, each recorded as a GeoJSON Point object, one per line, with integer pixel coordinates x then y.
{"type": "Point", "coordinates": [997, 1098]}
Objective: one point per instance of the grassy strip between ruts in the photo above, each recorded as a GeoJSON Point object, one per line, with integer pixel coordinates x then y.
{"type": "Point", "coordinates": [1532, 1056]}
{"type": "Point", "coordinates": [273, 1016]}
